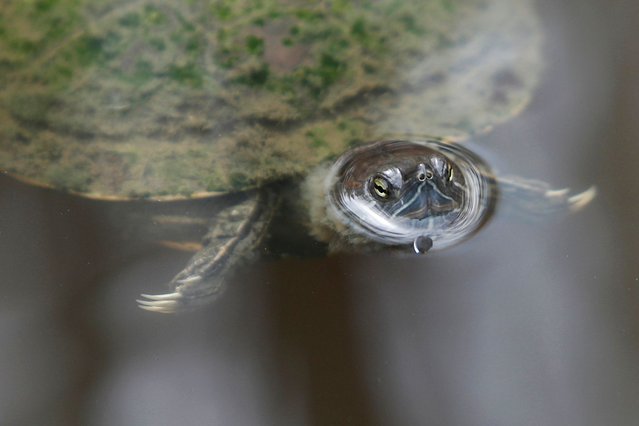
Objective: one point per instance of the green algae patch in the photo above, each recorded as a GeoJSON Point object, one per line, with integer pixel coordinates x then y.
{"type": "Point", "coordinates": [73, 177]}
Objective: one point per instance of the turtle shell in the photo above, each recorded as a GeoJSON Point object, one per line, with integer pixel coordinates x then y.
{"type": "Point", "coordinates": [174, 99]}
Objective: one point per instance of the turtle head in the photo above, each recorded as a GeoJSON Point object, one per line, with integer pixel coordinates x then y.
{"type": "Point", "coordinates": [404, 193]}
{"type": "Point", "coordinates": [405, 185]}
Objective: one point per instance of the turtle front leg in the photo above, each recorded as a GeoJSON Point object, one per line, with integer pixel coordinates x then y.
{"type": "Point", "coordinates": [531, 197]}
{"type": "Point", "coordinates": [232, 238]}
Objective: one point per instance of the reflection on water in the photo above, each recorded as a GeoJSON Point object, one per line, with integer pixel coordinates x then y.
{"type": "Point", "coordinates": [523, 324]}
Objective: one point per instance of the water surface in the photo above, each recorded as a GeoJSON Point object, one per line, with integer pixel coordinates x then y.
{"type": "Point", "coordinates": [526, 323]}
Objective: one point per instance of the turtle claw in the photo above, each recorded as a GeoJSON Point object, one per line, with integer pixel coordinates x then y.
{"type": "Point", "coordinates": [557, 193]}
{"type": "Point", "coordinates": [189, 280]}
{"type": "Point", "coordinates": [189, 293]}
{"type": "Point", "coordinates": [574, 202]}
{"type": "Point", "coordinates": [581, 200]}
{"type": "Point", "coordinates": [166, 296]}
{"type": "Point", "coordinates": [157, 309]}
{"type": "Point", "coordinates": [163, 303]}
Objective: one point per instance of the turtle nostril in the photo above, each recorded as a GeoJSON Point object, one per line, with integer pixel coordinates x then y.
{"type": "Point", "coordinates": [422, 176]}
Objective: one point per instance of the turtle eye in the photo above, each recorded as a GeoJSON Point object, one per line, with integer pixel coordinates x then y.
{"type": "Point", "coordinates": [380, 187]}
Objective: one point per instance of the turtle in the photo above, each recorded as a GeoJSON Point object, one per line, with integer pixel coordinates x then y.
{"type": "Point", "coordinates": [253, 102]}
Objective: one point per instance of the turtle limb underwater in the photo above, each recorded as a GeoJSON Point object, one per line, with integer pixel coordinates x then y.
{"type": "Point", "coordinates": [416, 196]}
{"type": "Point", "coordinates": [232, 237]}
{"type": "Point", "coordinates": [523, 196]}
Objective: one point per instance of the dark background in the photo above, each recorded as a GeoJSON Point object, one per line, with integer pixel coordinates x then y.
{"type": "Point", "coordinates": [525, 324]}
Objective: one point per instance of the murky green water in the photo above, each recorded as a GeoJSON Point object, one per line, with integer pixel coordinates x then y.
{"type": "Point", "coordinates": [526, 323]}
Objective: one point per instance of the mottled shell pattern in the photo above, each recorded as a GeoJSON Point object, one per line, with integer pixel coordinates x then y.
{"type": "Point", "coordinates": [170, 99]}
